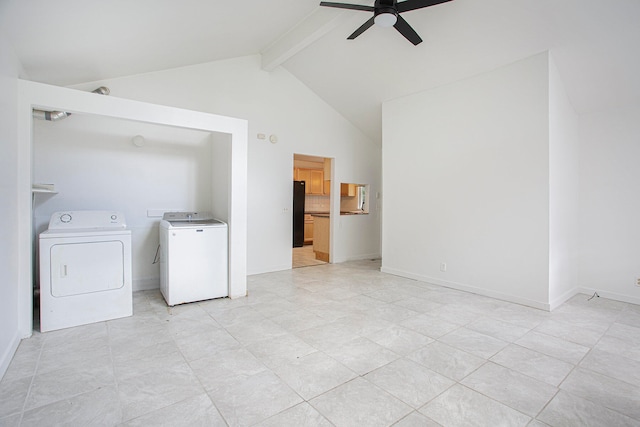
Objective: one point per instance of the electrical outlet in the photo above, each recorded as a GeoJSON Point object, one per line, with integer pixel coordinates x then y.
{"type": "Point", "coordinates": [638, 281]}
{"type": "Point", "coordinates": [443, 267]}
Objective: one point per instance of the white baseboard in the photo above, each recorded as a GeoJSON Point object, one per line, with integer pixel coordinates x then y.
{"type": "Point", "coordinates": [359, 257]}
{"type": "Point", "coordinates": [270, 269]}
{"type": "Point", "coordinates": [469, 288]}
{"type": "Point", "coordinates": [238, 296]}
{"type": "Point", "coordinates": [609, 295]}
{"type": "Point", "coordinates": [282, 267]}
{"type": "Point", "coordinates": [563, 298]}
{"type": "Point", "coordinates": [8, 353]}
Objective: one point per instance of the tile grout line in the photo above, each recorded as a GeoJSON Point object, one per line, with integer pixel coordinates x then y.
{"type": "Point", "coordinates": [33, 378]}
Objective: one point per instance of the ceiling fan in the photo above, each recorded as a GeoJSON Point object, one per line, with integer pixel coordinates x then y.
{"type": "Point", "coordinates": [386, 13]}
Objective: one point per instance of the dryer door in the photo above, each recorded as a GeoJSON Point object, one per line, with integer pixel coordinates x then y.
{"type": "Point", "coordinates": [81, 268]}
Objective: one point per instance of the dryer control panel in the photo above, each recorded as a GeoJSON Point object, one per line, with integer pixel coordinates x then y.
{"type": "Point", "coordinates": [82, 220]}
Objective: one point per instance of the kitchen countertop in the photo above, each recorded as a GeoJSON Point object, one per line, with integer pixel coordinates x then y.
{"type": "Point", "coordinates": [326, 214]}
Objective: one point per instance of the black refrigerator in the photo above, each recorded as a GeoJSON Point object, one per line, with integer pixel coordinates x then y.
{"type": "Point", "coordinates": [298, 214]}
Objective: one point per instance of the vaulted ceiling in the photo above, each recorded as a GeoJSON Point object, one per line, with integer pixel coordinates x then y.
{"type": "Point", "coordinates": [595, 44]}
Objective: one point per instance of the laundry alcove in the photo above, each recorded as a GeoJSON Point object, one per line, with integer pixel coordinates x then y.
{"type": "Point", "coordinates": [184, 160]}
{"type": "Point", "coordinates": [139, 169]}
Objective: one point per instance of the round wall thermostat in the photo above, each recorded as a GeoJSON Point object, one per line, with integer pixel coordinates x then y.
{"type": "Point", "coordinates": [273, 139]}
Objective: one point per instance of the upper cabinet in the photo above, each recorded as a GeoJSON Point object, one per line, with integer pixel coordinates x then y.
{"type": "Point", "coordinates": [315, 172]}
{"type": "Point", "coordinates": [327, 177]}
{"type": "Point", "coordinates": [349, 190]}
{"type": "Point", "coordinates": [327, 187]}
{"type": "Point", "coordinates": [317, 182]}
{"type": "Point", "coordinates": [313, 179]}
{"type": "Point", "coordinates": [304, 175]}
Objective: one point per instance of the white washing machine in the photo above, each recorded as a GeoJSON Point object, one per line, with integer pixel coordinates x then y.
{"type": "Point", "coordinates": [85, 269]}
{"type": "Point", "coordinates": [193, 257]}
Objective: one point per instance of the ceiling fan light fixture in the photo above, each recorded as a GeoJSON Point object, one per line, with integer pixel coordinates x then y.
{"type": "Point", "coordinates": [386, 19]}
{"type": "Point", "coordinates": [387, 13]}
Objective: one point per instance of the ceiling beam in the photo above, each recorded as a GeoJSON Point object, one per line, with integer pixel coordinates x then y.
{"type": "Point", "coordinates": [317, 24]}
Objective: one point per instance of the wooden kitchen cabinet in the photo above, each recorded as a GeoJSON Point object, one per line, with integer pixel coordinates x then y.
{"type": "Point", "coordinates": [348, 190]}
{"type": "Point", "coordinates": [313, 179]}
{"type": "Point", "coordinates": [327, 187]}
{"type": "Point", "coordinates": [308, 229]}
{"type": "Point", "coordinates": [321, 225]}
{"type": "Point", "coordinates": [304, 175]}
{"type": "Point", "coordinates": [327, 177]}
{"type": "Point", "coordinates": [317, 182]}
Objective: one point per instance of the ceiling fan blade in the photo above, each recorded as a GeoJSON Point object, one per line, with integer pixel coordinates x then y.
{"type": "Point", "coordinates": [409, 33]}
{"type": "Point", "coordinates": [364, 27]}
{"type": "Point", "coordinates": [347, 6]}
{"type": "Point", "coordinates": [408, 5]}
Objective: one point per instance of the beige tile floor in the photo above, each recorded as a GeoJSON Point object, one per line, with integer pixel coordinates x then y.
{"type": "Point", "coordinates": [341, 345]}
{"type": "Point", "coordinates": [304, 257]}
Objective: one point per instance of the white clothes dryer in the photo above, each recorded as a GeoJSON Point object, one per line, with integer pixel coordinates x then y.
{"type": "Point", "coordinates": [85, 269]}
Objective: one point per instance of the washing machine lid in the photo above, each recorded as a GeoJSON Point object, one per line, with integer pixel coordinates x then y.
{"type": "Point", "coordinates": [198, 223]}
{"type": "Point", "coordinates": [191, 219]}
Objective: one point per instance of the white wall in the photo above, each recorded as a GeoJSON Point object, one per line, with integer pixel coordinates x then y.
{"type": "Point", "coordinates": [358, 236]}
{"type": "Point", "coordinates": [9, 330]}
{"type": "Point", "coordinates": [610, 203]}
{"type": "Point", "coordinates": [274, 103]}
{"type": "Point", "coordinates": [563, 191]}
{"type": "Point", "coordinates": [466, 182]}
{"type": "Point", "coordinates": [95, 166]}
{"type": "Point", "coordinates": [220, 176]}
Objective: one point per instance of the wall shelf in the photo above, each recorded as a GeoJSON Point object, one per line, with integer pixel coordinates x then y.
{"type": "Point", "coordinates": [43, 188]}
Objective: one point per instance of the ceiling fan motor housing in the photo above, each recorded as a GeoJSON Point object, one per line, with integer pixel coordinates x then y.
{"type": "Point", "coordinates": [385, 6]}
{"type": "Point", "coordinates": [385, 13]}
{"type": "Point", "coordinates": [381, 10]}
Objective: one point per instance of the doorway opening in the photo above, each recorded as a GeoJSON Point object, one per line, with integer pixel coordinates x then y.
{"type": "Point", "coordinates": [311, 210]}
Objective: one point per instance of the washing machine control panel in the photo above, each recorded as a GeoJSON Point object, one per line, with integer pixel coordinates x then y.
{"type": "Point", "coordinates": [76, 220]}
{"type": "Point", "coordinates": [187, 216]}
